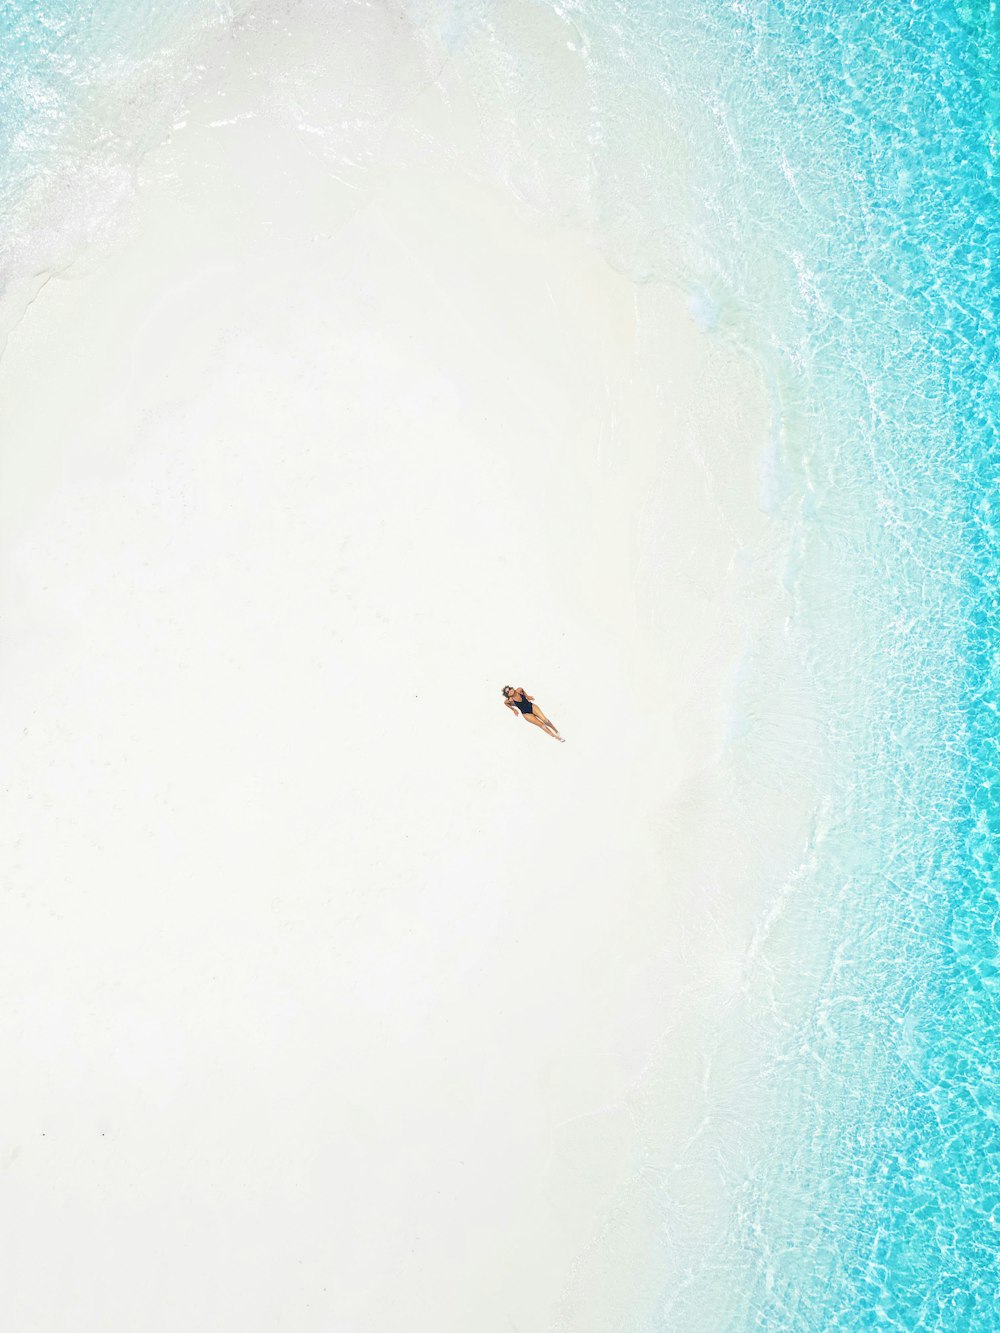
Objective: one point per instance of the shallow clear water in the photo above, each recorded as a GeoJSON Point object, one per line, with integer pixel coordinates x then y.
{"type": "Point", "coordinates": [823, 185]}
{"type": "Point", "coordinates": [86, 86]}
{"type": "Point", "coordinates": [863, 270]}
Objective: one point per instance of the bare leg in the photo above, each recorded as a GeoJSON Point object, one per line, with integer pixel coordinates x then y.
{"type": "Point", "coordinates": [540, 720]}
{"type": "Point", "coordinates": [550, 727]}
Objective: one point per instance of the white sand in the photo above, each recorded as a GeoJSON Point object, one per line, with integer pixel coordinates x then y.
{"type": "Point", "coordinates": [330, 988]}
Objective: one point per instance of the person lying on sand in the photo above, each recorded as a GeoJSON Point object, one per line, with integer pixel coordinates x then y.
{"type": "Point", "coordinates": [520, 702]}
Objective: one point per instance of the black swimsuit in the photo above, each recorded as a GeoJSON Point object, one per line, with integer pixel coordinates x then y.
{"type": "Point", "coordinates": [524, 704]}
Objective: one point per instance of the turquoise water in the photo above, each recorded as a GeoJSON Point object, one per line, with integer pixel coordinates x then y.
{"type": "Point", "coordinates": [86, 87]}
{"type": "Point", "coordinates": [823, 185]}
{"type": "Point", "coordinates": [864, 182]}
{"type": "Point", "coordinates": [848, 232]}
